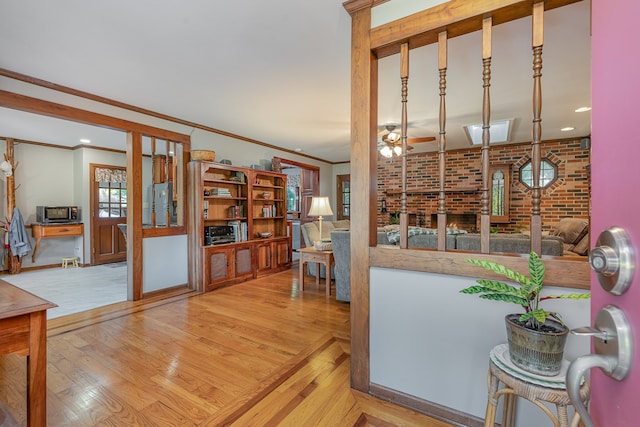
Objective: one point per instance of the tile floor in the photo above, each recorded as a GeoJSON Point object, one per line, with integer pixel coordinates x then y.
{"type": "Point", "coordinates": [75, 289]}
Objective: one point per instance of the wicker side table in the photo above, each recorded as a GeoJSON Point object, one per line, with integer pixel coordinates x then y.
{"type": "Point", "coordinates": [520, 385]}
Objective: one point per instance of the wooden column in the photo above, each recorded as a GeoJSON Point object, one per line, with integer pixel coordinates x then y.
{"type": "Point", "coordinates": [134, 216]}
{"type": "Point", "coordinates": [364, 115]}
{"type": "Point", "coordinates": [442, 140]}
{"type": "Point", "coordinates": [404, 78]}
{"type": "Point", "coordinates": [537, 42]}
{"type": "Point", "coordinates": [485, 208]}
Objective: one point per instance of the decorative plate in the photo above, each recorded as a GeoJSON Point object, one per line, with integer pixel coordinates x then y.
{"type": "Point", "coordinates": [500, 356]}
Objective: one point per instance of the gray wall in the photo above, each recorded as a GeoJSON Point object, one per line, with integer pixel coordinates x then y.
{"type": "Point", "coordinates": [432, 342]}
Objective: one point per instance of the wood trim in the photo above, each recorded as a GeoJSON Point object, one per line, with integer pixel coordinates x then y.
{"type": "Point", "coordinates": [64, 89]}
{"type": "Point", "coordinates": [363, 180]}
{"type": "Point", "coordinates": [298, 164]}
{"type": "Point", "coordinates": [353, 6]}
{"type": "Point", "coordinates": [60, 111]}
{"type": "Point", "coordinates": [458, 17]}
{"type": "Point", "coordinates": [568, 272]}
{"type": "Point", "coordinates": [425, 407]}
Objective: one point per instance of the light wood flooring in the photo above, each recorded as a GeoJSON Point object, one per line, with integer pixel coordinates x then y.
{"type": "Point", "coordinates": [253, 354]}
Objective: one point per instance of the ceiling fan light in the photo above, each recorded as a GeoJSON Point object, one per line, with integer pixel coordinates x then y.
{"type": "Point", "coordinates": [386, 151]}
{"type": "Point", "coordinates": [397, 149]}
{"type": "Point", "coordinates": [393, 136]}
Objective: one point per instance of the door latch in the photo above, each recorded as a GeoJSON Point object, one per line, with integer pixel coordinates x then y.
{"type": "Point", "coordinates": [612, 260]}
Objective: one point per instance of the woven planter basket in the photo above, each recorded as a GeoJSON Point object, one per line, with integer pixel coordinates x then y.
{"type": "Point", "coordinates": [205, 155]}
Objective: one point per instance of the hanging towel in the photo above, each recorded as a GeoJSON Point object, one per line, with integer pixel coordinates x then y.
{"type": "Point", "coordinates": [18, 237]}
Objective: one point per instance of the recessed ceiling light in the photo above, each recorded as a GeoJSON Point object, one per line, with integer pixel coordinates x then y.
{"type": "Point", "coordinates": [583, 109]}
{"type": "Point", "coordinates": [299, 150]}
{"type": "Point", "coordinates": [85, 141]}
{"type": "Point", "coordinates": [567, 129]}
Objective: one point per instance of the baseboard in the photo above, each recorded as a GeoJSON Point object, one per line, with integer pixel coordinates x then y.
{"type": "Point", "coordinates": [443, 413]}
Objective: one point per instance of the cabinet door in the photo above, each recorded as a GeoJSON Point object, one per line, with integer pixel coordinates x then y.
{"type": "Point", "coordinates": [243, 262]}
{"type": "Point", "coordinates": [283, 253]}
{"type": "Point", "coordinates": [219, 267]}
{"type": "Point", "coordinates": [264, 257]}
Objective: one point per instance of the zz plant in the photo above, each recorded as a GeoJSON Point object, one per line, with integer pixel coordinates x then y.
{"type": "Point", "coordinates": [527, 294]}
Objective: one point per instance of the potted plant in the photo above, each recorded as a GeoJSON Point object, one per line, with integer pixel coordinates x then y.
{"type": "Point", "coordinates": [536, 338]}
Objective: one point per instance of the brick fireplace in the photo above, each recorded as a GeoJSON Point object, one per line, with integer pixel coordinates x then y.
{"type": "Point", "coordinates": [463, 221]}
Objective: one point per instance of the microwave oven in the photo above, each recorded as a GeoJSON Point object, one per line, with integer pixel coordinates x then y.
{"type": "Point", "coordinates": [57, 214]}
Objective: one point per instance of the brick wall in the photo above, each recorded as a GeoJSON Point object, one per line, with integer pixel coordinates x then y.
{"type": "Point", "coordinates": [568, 196]}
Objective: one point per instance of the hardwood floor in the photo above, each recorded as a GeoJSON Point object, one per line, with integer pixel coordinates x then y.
{"type": "Point", "coordinates": [253, 354]}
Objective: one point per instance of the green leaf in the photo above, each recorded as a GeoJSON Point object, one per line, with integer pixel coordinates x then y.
{"type": "Point", "coordinates": [536, 271]}
{"type": "Point", "coordinates": [568, 296]}
{"type": "Point", "coordinates": [495, 286]}
{"type": "Point", "coordinates": [505, 298]}
{"type": "Point", "coordinates": [500, 269]}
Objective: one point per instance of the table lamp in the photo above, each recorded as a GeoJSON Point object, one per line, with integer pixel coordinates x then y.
{"type": "Point", "coordinates": [320, 206]}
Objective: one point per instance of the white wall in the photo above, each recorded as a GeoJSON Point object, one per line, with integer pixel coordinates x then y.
{"type": "Point", "coordinates": [165, 262]}
{"type": "Point", "coordinates": [432, 342]}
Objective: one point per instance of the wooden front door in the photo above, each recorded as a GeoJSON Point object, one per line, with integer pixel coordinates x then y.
{"type": "Point", "coordinates": [108, 209]}
{"type": "Point", "coordinates": [615, 174]}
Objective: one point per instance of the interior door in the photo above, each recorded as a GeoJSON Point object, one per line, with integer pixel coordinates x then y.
{"type": "Point", "coordinates": [615, 177]}
{"type": "Point", "coordinates": [343, 196]}
{"type": "Point", "coordinates": [108, 209]}
{"type": "Point", "coordinates": [309, 187]}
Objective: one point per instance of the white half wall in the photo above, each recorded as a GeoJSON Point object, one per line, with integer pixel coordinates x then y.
{"type": "Point", "coordinates": [430, 341]}
{"type": "Point", "coordinates": [164, 262]}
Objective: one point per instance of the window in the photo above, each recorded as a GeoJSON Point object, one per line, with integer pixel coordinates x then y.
{"type": "Point", "coordinates": [112, 199]}
{"type": "Point", "coordinates": [499, 192]}
{"type": "Point", "coordinates": [548, 173]}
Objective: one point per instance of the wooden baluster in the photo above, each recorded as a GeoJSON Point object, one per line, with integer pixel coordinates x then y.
{"type": "Point", "coordinates": [485, 211]}
{"type": "Point", "coordinates": [165, 165]}
{"type": "Point", "coordinates": [404, 78]}
{"type": "Point", "coordinates": [152, 202]}
{"type": "Point", "coordinates": [442, 140]}
{"type": "Point", "coordinates": [537, 42]}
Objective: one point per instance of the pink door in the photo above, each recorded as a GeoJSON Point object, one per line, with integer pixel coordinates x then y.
{"type": "Point", "coordinates": [616, 184]}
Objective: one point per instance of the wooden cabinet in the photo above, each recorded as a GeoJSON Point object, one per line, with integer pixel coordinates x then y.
{"type": "Point", "coordinates": [227, 264]}
{"type": "Point", "coordinates": [253, 202]}
{"type": "Point", "coordinates": [272, 256]}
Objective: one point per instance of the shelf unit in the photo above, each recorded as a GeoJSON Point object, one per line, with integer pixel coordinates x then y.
{"type": "Point", "coordinates": [255, 200]}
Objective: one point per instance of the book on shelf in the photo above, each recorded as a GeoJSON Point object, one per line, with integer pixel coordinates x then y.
{"type": "Point", "coordinates": [220, 192]}
{"type": "Point", "coordinates": [206, 209]}
{"type": "Point", "coordinates": [236, 211]}
{"type": "Point", "coordinates": [239, 230]}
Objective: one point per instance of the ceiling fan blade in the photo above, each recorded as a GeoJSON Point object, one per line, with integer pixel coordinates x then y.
{"type": "Point", "coordinates": [421, 139]}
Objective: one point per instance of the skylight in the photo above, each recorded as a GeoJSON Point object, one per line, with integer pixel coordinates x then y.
{"type": "Point", "coordinates": [499, 131]}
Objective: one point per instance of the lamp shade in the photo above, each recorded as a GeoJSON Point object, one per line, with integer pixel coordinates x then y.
{"type": "Point", "coordinates": [320, 206]}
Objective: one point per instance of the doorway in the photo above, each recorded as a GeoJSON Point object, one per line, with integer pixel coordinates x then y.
{"type": "Point", "coordinates": [303, 183]}
{"type": "Point", "coordinates": [108, 209]}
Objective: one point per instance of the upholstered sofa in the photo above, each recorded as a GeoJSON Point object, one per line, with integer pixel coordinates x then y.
{"type": "Point", "coordinates": [574, 233]}
{"type": "Point", "coordinates": [510, 243]}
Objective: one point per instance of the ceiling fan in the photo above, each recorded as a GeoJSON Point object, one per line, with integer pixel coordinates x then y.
{"type": "Point", "coordinates": [390, 142]}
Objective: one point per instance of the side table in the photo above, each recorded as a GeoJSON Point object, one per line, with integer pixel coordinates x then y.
{"type": "Point", "coordinates": [310, 254]}
{"type": "Point", "coordinates": [534, 388]}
